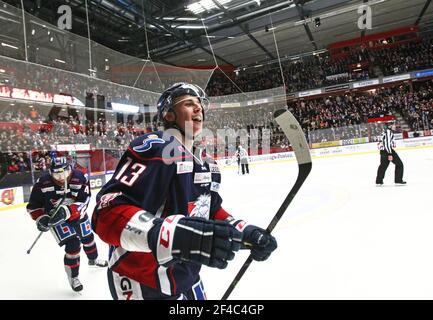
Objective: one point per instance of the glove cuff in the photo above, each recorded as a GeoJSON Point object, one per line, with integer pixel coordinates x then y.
{"type": "Point", "coordinates": [67, 211]}
{"type": "Point", "coordinates": [240, 225]}
{"type": "Point", "coordinates": [41, 226]}
{"type": "Point", "coordinates": [164, 243]}
{"type": "Point", "coordinates": [44, 216]}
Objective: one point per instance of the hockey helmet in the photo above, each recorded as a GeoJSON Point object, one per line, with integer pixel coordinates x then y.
{"type": "Point", "coordinates": [60, 168]}
{"type": "Point", "coordinates": [166, 100]}
{"type": "Point", "coordinates": [389, 124]}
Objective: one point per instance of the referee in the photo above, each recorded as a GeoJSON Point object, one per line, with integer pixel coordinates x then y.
{"type": "Point", "coordinates": [387, 154]}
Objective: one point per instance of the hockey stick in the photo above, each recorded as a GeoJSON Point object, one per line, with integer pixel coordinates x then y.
{"type": "Point", "coordinates": [57, 209]}
{"type": "Point", "coordinates": [296, 137]}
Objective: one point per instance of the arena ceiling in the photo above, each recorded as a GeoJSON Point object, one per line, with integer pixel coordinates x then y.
{"type": "Point", "coordinates": [240, 31]}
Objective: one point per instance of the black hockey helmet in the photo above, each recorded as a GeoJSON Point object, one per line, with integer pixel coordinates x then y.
{"type": "Point", "coordinates": [60, 168]}
{"type": "Point", "coordinates": [389, 124]}
{"type": "Point", "coordinates": [166, 100]}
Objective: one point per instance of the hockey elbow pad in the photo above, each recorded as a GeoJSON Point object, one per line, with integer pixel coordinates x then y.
{"type": "Point", "coordinates": [196, 240]}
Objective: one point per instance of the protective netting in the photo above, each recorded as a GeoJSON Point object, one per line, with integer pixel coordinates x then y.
{"type": "Point", "coordinates": [276, 95]}
{"type": "Point", "coordinates": [19, 74]}
{"type": "Point", "coordinates": [57, 88]}
{"type": "Point", "coordinates": [245, 119]}
{"type": "Point", "coordinates": [141, 73]}
{"type": "Point", "coordinates": [60, 88]}
{"type": "Point", "coordinates": [50, 46]}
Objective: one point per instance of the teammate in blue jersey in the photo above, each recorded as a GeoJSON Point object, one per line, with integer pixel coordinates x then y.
{"type": "Point", "coordinates": [68, 222]}
{"type": "Point", "coordinates": [161, 212]}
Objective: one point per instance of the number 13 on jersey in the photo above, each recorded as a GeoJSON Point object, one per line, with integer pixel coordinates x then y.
{"type": "Point", "coordinates": [133, 173]}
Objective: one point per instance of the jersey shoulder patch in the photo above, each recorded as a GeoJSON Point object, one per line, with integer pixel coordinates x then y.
{"type": "Point", "coordinates": [149, 141]}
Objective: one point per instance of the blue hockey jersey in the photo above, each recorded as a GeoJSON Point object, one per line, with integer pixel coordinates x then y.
{"type": "Point", "coordinates": [159, 175]}
{"type": "Point", "coordinates": [46, 194]}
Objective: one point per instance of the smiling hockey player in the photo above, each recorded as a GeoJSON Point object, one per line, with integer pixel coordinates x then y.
{"type": "Point", "coordinates": [161, 212]}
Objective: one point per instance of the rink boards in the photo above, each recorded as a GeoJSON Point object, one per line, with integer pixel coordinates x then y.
{"type": "Point", "coordinates": [12, 198]}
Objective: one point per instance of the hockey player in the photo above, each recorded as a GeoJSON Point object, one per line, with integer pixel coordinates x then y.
{"type": "Point", "coordinates": [68, 222]}
{"type": "Point", "coordinates": [242, 155]}
{"type": "Point", "coordinates": [387, 154]}
{"type": "Point", "coordinates": [161, 212]}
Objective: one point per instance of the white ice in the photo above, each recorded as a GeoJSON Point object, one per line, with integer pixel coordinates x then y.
{"type": "Point", "coordinates": [341, 238]}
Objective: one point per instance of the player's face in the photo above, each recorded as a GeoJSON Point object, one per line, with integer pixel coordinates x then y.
{"type": "Point", "coordinates": [60, 177]}
{"type": "Point", "coordinates": [189, 114]}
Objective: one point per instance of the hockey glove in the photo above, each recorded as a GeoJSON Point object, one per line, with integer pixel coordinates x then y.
{"type": "Point", "coordinates": [42, 223]}
{"type": "Point", "coordinates": [59, 215]}
{"type": "Point", "coordinates": [259, 241]}
{"type": "Point", "coordinates": [196, 240]}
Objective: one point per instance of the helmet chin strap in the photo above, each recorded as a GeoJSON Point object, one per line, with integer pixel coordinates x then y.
{"type": "Point", "coordinates": [173, 124]}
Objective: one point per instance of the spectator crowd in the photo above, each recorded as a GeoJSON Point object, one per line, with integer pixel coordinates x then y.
{"type": "Point", "coordinates": [36, 130]}
{"type": "Point", "coordinates": [322, 70]}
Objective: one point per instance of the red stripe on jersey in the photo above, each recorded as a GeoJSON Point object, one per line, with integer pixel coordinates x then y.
{"type": "Point", "coordinates": [112, 221]}
{"type": "Point", "coordinates": [36, 213]}
{"type": "Point", "coordinates": [221, 214]}
{"type": "Point", "coordinates": [139, 266]}
{"type": "Point", "coordinates": [159, 158]}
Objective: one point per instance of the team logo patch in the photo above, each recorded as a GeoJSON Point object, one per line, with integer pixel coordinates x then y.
{"type": "Point", "coordinates": [107, 199]}
{"type": "Point", "coordinates": [184, 167]}
{"type": "Point", "coordinates": [201, 207]}
{"type": "Point", "coordinates": [148, 142]}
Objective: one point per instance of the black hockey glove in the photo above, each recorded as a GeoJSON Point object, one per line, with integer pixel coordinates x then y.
{"type": "Point", "coordinates": [197, 240]}
{"type": "Point", "coordinates": [259, 241]}
{"type": "Point", "coordinates": [59, 215]}
{"type": "Point", "coordinates": [42, 223]}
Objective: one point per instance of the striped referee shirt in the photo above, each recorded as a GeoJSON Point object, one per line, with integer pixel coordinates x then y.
{"type": "Point", "coordinates": [388, 141]}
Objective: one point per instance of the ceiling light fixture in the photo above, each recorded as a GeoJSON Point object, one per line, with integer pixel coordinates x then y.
{"type": "Point", "coordinates": [9, 46]}
{"type": "Point", "coordinates": [205, 5]}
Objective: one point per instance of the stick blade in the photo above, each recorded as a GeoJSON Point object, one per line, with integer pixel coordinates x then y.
{"type": "Point", "coordinates": [279, 112]}
{"type": "Point", "coordinates": [294, 134]}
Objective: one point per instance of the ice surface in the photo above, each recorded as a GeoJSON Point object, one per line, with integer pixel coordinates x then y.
{"type": "Point", "coordinates": [341, 238]}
